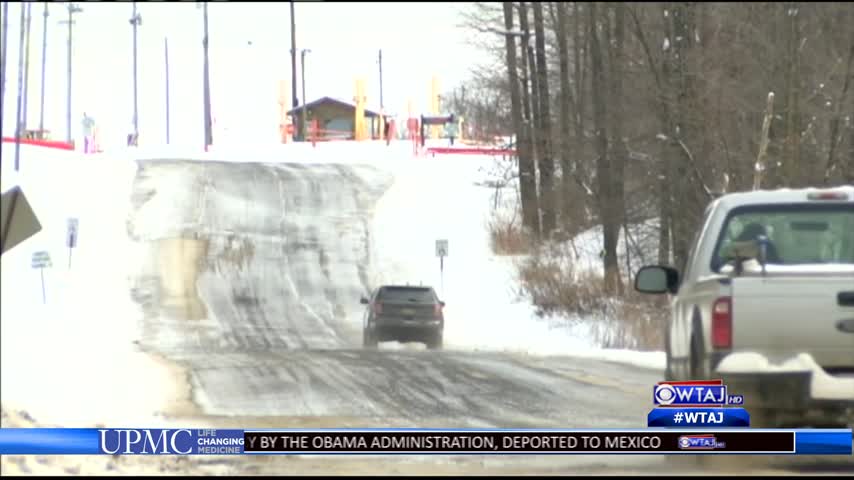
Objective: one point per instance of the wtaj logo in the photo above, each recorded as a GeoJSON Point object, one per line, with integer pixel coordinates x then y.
{"type": "Point", "coordinates": [707, 393]}
{"type": "Point", "coordinates": [700, 442]}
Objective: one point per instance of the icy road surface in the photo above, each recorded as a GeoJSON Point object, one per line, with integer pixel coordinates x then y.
{"type": "Point", "coordinates": [251, 286]}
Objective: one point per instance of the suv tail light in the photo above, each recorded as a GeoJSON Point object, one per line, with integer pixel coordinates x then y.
{"type": "Point", "coordinates": [437, 311]}
{"type": "Point", "coordinates": [378, 308]}
{"type": "Point", "coordinates": [722, 323]}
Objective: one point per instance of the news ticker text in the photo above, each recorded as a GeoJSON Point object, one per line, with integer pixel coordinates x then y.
{"type": "Point", "coordinates": [136, 441]}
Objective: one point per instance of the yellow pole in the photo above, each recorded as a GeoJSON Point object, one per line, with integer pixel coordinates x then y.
{"type": "Point", "coordinates": [359, 124]}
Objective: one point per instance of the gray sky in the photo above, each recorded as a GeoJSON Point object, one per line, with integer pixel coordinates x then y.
{"type": "Point", "coordinates": [418, 40]}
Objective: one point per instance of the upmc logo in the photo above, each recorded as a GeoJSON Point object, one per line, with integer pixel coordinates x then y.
{"type": "Point", "coordinates": [142, 441]}
{"type": "Point", "coordinates": [694, 394]}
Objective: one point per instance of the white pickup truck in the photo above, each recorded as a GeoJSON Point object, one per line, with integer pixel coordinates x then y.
{"type": "Point", "coordinates": [766, 303]}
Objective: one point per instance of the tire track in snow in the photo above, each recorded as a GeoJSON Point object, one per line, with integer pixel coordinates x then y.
{"type": "Point", "coordinates": [296, 290]}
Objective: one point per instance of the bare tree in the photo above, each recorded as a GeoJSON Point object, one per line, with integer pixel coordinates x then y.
{"type": "Point", "coordinates": [604, 183]}
{"type": "Point", "coordinates": [565, 106]}
{"type": "Point", "coordinates": [545, 160]}
{"type": "Point", "coordinates": [527, 178]}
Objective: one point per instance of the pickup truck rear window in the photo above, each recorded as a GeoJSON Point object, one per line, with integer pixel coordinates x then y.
{"type": "Point", "coordinates": [407, 294]}
{"type": "Point", "coordinates": [799, 234]}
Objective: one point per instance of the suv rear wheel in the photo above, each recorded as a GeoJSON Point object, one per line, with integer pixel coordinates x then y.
{"type": "Point", "coordinates": [434, 340]}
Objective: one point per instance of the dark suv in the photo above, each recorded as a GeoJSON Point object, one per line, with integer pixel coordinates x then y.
{"type": "Point", "coordinates": [403, 313]}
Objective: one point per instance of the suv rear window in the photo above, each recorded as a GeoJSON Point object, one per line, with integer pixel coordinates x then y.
{"type": "Point", "coordinates": [407, 294]}
{"type": "Point", "coordinates": [798, 234]}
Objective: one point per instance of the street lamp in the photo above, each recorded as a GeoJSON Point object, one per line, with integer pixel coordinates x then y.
{"type": "Point", "coordinates": [294, 100]}
{"type": "Point", "coordinates": [136, 21]}
{"type": "Point", "coordinates": [304, 102]}
{"type": "Point", "coordinates": [44, 57]}
{"type": "Point", "coordinates": [72, 9]}
{"type": "Point", "coordinates": [206, 87]}
{"type": "Point", "coordinates": [166, 69]}
{"type": "Point", "coordinates": [18, 131]}
{"type": "Point", "coordinates": [24, 116]}
{"type": "Point", "coordinates": [3, 50]}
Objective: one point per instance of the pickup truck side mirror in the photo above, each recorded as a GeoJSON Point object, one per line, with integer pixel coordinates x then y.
{"type": "Point", "coordinates": [364, 301]}
{"type": "Point", "coordinates": [442, 303]}
{"type": "Point", "coordinates": [657, 279]}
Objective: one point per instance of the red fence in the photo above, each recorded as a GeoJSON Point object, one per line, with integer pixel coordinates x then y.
{"type": "Point", "coordinates": [470, 151]}
{"type": "Point", "coordinates": [42, 143]}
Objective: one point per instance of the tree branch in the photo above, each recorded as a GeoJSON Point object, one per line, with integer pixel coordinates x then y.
{"type": "Point", "coordinates": [696, 170]}
{"type": "Point", "coordinates": [834, 129]}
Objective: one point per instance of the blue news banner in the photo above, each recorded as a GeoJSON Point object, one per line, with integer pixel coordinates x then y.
{"type": "Point", "coordinates": [142, 441]}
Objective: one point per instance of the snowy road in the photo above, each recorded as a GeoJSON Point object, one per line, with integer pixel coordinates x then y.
{"type": "Point", "coordinates": [251, 287]}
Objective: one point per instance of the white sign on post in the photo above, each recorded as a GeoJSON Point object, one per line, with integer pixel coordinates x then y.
{"type": "Point", "coordinates": [441, 248]}
{"type": "Point", "coordinates": [41, 260]}
{"type": "Point", "coordinates": [442, 252]}
{"type": "Point", "coordinates": [71, 237]}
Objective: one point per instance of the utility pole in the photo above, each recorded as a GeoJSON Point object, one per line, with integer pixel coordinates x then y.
{"type": "Point", "coordinates": [304, 108]}
{"type": "Point", "coordinates": [44, 63]}
{"type": "Point", "coordinates": [72, 9]}
{"type": "Point", "coordinates": [207, 80]}
{"type": "Point", "coordinates": [136, 21]}
{"type": "Point", "coordinates": [3, 58]}
{"type": "Point", "coordinates": [381, 80]}
{"type": "Point", "coordinates": [20, 90]}
{"type": "Point", "coordinates": [24, 114]}
{"type": "Point", "coordinates": [166, 59]}
{"type": "Point", "coordinates": [294, 100]}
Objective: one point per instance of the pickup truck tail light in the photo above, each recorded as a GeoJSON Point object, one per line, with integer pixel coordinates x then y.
{"type": "Point", "coordinates": [378, 308]}
{"type": "Point", "coordinates": [722, 323]}
{"type": "Point", "coordinates": [827, 196]}
{"type": "Point", "coordinates": [437, 310]}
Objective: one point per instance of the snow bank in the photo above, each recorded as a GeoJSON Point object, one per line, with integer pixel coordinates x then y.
{"type": "Point", "coordinates": [68, 358]}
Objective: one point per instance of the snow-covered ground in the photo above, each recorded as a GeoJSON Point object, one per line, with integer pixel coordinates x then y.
{"type": "Point", "coordinates": [61, 351]}
{"type": "Point", "coordinates": [69, 357]}
{"type": "Point", "coordinates": [484, 310]}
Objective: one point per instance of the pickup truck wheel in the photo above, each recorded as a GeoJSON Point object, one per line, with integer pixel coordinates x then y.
{"type": "Point", "coordinates": [699, 366]}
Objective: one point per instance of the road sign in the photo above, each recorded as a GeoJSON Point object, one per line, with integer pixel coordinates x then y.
{"type": "Point", "coordinates": [441, 248]}
{"type": "Point", "coordinates": [71, 234]}
{"type": "Point", "coordinates": [17, 221]}
{"type": "Point", "coordinates": [41, 260]}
